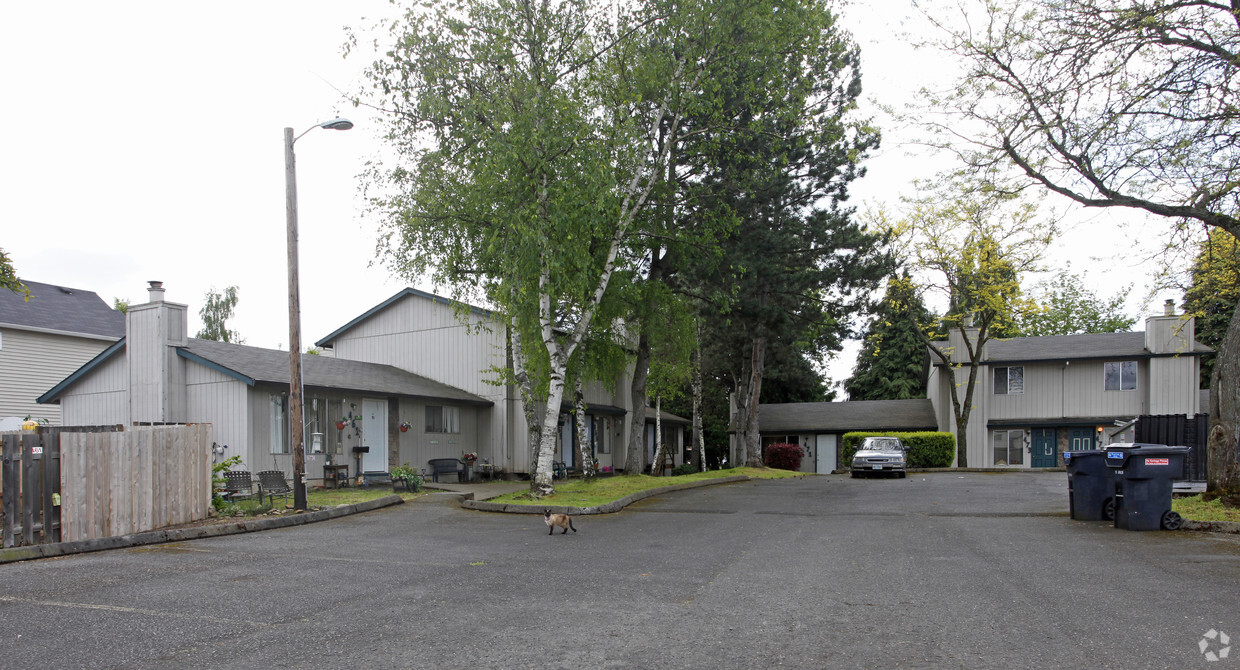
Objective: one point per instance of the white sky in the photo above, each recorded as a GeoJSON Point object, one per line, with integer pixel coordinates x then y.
{"type": "Point", "coordinates": [144, 141]}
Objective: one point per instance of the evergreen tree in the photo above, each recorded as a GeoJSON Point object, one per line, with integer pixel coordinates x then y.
{"type": "Point", "coordinates": [891, 363]}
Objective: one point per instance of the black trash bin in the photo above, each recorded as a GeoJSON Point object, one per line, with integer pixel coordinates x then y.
{"type": "Point", "coordinates": [1091, 484]}
{"type": "Point", "coordinates": [1143, 486]}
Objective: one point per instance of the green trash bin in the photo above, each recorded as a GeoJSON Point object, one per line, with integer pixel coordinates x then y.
{"type": "Point", "coordinates": [1143, 486]}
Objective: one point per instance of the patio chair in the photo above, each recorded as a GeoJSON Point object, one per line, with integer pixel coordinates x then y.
{"type": "Point", "coordinates": [272, 483]}
{"type": "Point", "coordinates": [239, 484]}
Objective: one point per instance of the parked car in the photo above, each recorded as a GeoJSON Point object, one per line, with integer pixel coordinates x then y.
{"type": "Point", "coordinates": [879, 455]}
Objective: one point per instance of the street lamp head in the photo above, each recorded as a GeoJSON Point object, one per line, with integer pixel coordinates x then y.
{"type": "Point", "coordinates": [337, 124]}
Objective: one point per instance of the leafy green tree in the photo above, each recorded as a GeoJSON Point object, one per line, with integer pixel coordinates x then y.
{"type": "Point", "coordinates": [529, 137]}
{"type": "Point", "coordinates": [1213, 292]}
{"type": "Point", "coordinates": [1110, 103]}
{"type": "Point", "coordinates": [892, 357]}
{"type": "Point", "coordinates": [9, 279]}
{"type": "Point", "coordinates": [215, 313]}
{"type": "Point", "coordinates": [1063, 306]}
{"type": "Point", "coordinates": [120, 305]}
{"type": "Point", "coordinates": [972, 250]}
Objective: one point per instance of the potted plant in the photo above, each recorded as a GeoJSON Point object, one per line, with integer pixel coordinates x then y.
{"type": "Point", "coordinates": [469, 457]}
{"type": "Point", "coordinates": [407, 476]}
{"type": "Point", "coordinates": [405, 426]}
{"type": "Point", "coordinates": [341, 423]}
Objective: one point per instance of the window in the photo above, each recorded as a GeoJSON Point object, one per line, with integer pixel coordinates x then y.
{"type": "Point", "coordinates": [441, 419]}
{"type": "Point", "coordinates": [279, 441]}
{"type": "Point", "coordinates": [601, 426]}
{"type": "Point", "coordinates": [1010, 380]}
{"type": "Point", "coordinates": [1120, 376]}
{"type": "Point", "coordinates": [1009, 447]}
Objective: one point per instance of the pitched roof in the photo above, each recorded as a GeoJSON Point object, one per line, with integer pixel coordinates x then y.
{"type": "Point", "coordinates": [256, 365]}
{"type": "Point", "coordinates": [61, 309]}
{"type": "Point", "coordinates": [847, 416]}
{"type": "Point", "coordinates": [327, 341]}
{"type": "Point", "coordinates": [1071, 347]}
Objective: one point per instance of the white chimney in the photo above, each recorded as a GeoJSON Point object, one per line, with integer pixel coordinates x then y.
{"type": "Point", "coordinates": [1169, 307]}
{"type": "Point", "coordinates": [153, 331]}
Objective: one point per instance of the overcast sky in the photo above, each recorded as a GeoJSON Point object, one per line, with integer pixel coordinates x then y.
{"type": "Point", "coordinates": [144, 141]}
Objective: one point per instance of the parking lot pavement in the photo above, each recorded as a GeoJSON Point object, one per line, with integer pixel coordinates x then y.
{"type": "Point", "coordinates": [936, 570]}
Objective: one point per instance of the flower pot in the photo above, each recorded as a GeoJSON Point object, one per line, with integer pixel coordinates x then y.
{"type": "Point", "coordinates": [339, 425]}
{"type": "Point", "coordinates": [404, 429]}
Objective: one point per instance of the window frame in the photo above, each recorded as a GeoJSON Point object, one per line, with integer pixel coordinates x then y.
{"type": "Point", "coordinates": [277, 430]}
{"type": "Point", "coordinates": [1007, 380]}
{"type": "Point", "coordinates": [1008, 436]}
{"type": "Point", "coordinates": [1135, 376]}
{"type": "Point", "coordinates": [442, 420]}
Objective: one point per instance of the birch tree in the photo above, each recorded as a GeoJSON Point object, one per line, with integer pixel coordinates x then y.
{"type": "Point", "coordinates": [527, 136]}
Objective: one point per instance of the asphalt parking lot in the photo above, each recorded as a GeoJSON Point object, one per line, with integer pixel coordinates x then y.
{"type": "Point", "coordinates": [937, 570]}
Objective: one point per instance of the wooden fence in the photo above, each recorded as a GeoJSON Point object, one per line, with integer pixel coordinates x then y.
{"type": "Point", "coordinates": [1181, 431]}
{"type": "Point", "coordinates": [80, 483]}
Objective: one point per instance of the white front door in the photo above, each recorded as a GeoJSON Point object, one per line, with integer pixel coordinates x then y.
{"type": "Point", "coordinates": [826, 453]}
{"type": "Point", "coordinates": [374, 435]}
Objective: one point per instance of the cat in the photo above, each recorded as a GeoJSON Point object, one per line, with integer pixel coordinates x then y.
{"type": "Point", "coordinates": [562, 520]}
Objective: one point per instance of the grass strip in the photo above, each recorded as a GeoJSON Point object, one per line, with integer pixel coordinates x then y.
{"type": "Point", "coordinates": [602, 490]}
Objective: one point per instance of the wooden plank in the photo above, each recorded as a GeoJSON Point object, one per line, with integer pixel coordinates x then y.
{"type": "Point", "coordinates": [49, 484]}
{"type": "Point", "coordinates": [11, 486]}
{"type": "Point", "coordinates": [29, 486]}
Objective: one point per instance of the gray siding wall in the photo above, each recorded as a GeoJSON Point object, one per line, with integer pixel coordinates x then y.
{"type": "Point", "coordinates": [213, 397]}
{"type": "Point", "coordinates": [1056, 390]}
{"type": "Point", "coordinates": [99, 398]}
{"type": "Point", "coordinates": [157, 392]}
{"type": "Point", "coordinates": [417, 446]}
{"type": "Point", "coordinates": [33, 362]}
{"type": "Point", "coordinates": [1173, 385]}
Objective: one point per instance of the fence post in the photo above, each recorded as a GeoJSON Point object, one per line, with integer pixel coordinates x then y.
{"type": "Point", "coordinates": [10, 472]}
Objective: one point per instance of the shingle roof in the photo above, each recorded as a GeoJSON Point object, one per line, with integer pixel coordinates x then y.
{"type": "Point", "coordinates": [59, 308]}
{"type": "Point", "coordinates": [256, 365]}
{"type": "Point", "coordinates": [847, 416]}
{"type": "Point", "coordinates": [1071, 347]}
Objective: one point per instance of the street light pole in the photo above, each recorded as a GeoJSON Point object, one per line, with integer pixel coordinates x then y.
{"type": "Point", "coordinates": [295, 386]}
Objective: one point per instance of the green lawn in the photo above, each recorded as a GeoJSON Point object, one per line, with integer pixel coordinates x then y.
{"type": "Point", "coordinates": [1193, 507]}
{"type": "Point", "coordinates": [321, 498]}
{"type": "Point", "coordinates": [580, 493]}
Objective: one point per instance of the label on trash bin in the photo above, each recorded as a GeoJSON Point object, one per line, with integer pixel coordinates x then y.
{"type": "Point", "coordinates": [1158, 461]}
{"type": "Point", "coordinates": [1115, 454]}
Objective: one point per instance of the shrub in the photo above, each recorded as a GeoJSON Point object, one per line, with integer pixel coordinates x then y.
{"type": "Point", "coordinates": [783, 456]}
{"type": "Point", "coordinates": [927, 449]}
{"type": "Point", "coordinates": [683, 469]}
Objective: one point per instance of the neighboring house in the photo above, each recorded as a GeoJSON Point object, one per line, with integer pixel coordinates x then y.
{"type": "Point", "coordinates": [818, 426]}
{"type": "Point", "coordinates": [408, 360]}
{"type": "Point", "coordinates": [46, 338]}
{"type": "Point", "coordinates": [467, 347]}
{"type": "Point", "coordinates": [1038, 396]}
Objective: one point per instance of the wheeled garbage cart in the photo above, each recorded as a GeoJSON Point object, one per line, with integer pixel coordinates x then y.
{"type": "Point", "coordinates": [1143, 477]}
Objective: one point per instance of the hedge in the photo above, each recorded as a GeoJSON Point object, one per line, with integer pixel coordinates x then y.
{"type": "Point", "coordinates": [784, 456]}
{"type": "Point", "coordinates": [926, 449]}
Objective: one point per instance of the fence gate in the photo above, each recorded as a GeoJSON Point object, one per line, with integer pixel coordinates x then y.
{"type": "Point", "coordinates": [30, 484]}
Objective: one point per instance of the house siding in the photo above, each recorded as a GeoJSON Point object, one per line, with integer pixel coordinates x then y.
{"type": "Point", "coordinates": [99, 398]}
{"type": "Point", "coordinates": [33, 362]}
{"type": "Point", "coordinates": [1173, 386]}
{"type": "Point", "coordinates": [219, 399]}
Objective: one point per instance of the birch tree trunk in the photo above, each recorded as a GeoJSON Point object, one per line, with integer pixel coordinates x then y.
{"type": "Point", "coordinates": [585, 458]}
{"type": "Point", "coordinates": [656, 463]}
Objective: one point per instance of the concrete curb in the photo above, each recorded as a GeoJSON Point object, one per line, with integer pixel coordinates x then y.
{"type": "Point", "coordinates": [608, 508]}
{"type": "Point", "coordinates": [1211, 526]}
{"type": "Point", "coordinates": [13, 554]}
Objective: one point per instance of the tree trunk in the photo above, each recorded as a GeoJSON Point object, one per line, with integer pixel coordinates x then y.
{"type": "Point", "coordinates": [753, 439]}
{"type": "Point", "coordinates": [699, 446]}
{"type": "Point", "coordinates": [656, 463]}
{"type": "Point", "coordinates": [636, 451]}
{"type": "Point", "coordinates": [585, 456]}
{"type": "Point", "coordinates": [1222, 468]}
{"type": "Point", "coordinates": [543, 473]}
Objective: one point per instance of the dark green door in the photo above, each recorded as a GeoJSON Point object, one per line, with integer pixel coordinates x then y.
{"type": "Point", "coordinates": [1081, 439]}
{"type": "Point", "coordinates": [1045, 448]}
